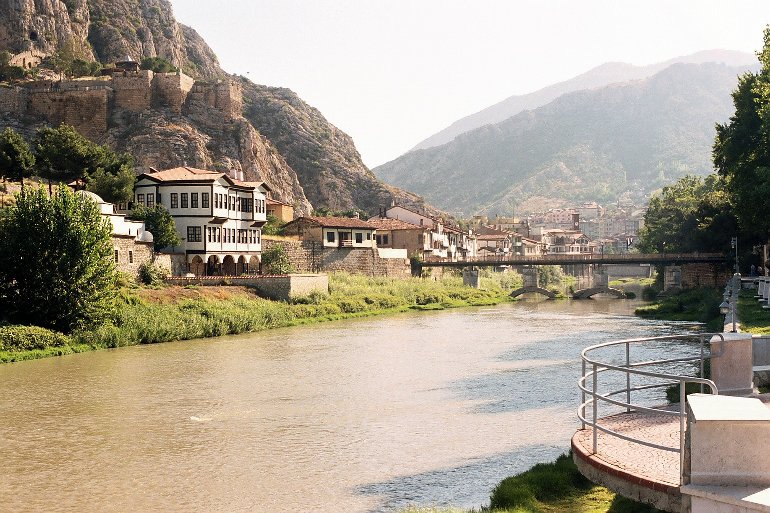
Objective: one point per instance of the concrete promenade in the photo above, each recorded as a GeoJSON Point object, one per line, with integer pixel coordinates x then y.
{"type": "Point", "coordinates": [644, 473]}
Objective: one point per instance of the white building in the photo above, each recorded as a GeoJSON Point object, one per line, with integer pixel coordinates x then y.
{"type": "Point", "coordinates": [218, 216]}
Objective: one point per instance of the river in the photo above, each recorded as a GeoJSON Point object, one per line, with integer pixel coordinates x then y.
{"type": "Point", "coordinates": [368, 415]}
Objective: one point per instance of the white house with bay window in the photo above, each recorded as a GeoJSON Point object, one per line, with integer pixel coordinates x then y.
{"type": "Point", "coordinates": [218, 216]}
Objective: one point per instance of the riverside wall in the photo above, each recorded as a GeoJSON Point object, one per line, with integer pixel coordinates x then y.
{"type": "Point", "coordinates": [312, 257]}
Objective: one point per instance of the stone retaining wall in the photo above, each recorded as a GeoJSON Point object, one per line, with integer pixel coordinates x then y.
{"type": "Point", "coordinates": [281, 288]}
{"type": "Point", "coordinates": [308, 256]}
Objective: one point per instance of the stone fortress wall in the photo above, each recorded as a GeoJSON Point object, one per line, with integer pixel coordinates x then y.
{"type": "Point", "coordinates": [88, 104]}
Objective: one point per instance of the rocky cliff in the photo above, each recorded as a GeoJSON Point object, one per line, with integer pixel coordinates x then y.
{"type": "Point", "coordinates": [282, 140]}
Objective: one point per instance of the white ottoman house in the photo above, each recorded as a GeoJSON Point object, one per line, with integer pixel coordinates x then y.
{"type": "Point", "coordinates": [218, 216]}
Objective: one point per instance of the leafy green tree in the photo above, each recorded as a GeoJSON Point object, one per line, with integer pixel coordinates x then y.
{"type": "Point", "coordinates": [160, 223]}
{"type": "Point", "coordinates": [16, 158]}
{"type": "Point", "coordinates": [273, 226]}
{"type": "Point", "coordinates": [64, 155]}
{"type": "Point", "coordinates": [275, 260]}
{"type": "Point", "coordinates": [158, 65]}
{"type": "Point", "coordinates": [742, 149]}
{"type": "Point", "coordinates": [115, 188]}
{"type": "Point", "coordinates": [56, 264]}
{"type": "Point", "coordinates": [693, 214]}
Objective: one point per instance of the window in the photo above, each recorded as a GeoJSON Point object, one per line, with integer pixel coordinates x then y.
{"type": "Point", "coordinates": [130, 257]}
{"type": "Point", "coordinates": [259, 236]}
{"type": "Point", "coordinates": [204, 200]}
{"type": "Point", "coordinates": [218, 234]}
{"type": "Point", "coordinates": [140, 199]}
{"type": "Point", "coordinates": [232, 202]}
{"type": "Point", "coordinates": [368, 236]}
{"type": "Point", "coordinates": [174, 200]}
{"type": "Point", "coordinates": [117, 256]}
{"type": "Point", "coordinates": [185, 202]}
{"type": "Point", "coordinates": [150, 200]}
{"type": "Point", "coordinates": [238, 204]}
{"type": "Point", "coordinates": [359, 237]}
{"type": "Point", "coordinates": [193, 200]}
{"type": "Point", "coordinates": [329, 236]}
{"type": "Point", "coordinates": [194, 234]}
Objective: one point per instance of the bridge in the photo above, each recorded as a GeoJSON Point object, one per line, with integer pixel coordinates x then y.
{"type": "Point", "coordinates": [672, 275]}
{"type": "Point", "coordinates": [581, 259]}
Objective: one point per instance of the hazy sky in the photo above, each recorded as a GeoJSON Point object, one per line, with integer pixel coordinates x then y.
{"type": "Point", "coordinates": [393, 72]}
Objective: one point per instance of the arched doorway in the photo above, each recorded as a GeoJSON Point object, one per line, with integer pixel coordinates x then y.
{"type": "Point", "coordinates": [254, 264]}
{"type": "Point", "coordinates": [214, 268]}
{"type": "Point", "coordinates": [197, 267]}
{"type": "Point", "coordinates": [228, 266]}
{"type": "Point", "coordinates": [241, 266]}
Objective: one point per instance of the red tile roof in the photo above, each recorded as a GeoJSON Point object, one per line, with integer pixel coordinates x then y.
{"type": "Point", "coordinates": [385, 223]}
{"type": "Point", "coordinates": [184, 174]}
{"type": "Point", "coordinates": [336, 222]}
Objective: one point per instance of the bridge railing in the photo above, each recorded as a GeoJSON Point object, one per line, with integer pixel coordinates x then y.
{"type": "Point", "coordinates": [593, 395]}
{"type": "Point", "coordinates": [594, 258]}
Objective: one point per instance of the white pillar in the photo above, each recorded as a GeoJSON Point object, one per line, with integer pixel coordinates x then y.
{"type": "Point", "coordinates": [732, 363]}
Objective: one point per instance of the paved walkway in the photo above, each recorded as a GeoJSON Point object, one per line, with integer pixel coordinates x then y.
{"type": "Point", "coordinates": [630, 461]}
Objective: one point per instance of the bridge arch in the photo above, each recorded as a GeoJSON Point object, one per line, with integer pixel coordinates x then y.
{"type": "Point", "coordinates": [537, 290]}
{"type": "Point", "coordinates": [588, 293]}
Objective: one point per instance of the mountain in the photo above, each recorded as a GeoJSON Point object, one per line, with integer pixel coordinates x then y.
{"type": "Point", "coordinates": [591, 145]}
{"type": "Point", "coordinates": [281, 139]}
{"type": "Point", "coordinates": [606, 74]}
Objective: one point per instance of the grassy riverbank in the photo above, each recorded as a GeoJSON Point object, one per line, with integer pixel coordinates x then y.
{"type": "Point", "coordinates": [697, 305]}
{"type": "Point", "coordinates": [147, 316]}
{"type": "Point", "coordinates": [555, 487]}
{"type": "Point", "coordinates": [753, 318]}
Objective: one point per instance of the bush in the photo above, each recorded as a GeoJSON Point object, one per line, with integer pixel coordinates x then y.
{"type": "Point", "coordinates": [276, 261]}
{"type": "Point", "coordinates": [152, 274]}
{"type": "Point", "coordinates": [25, 338]}
{"type": "Point", "coordinates": [649, 293]}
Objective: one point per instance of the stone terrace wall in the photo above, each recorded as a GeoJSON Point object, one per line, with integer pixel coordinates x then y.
{"type": "Point", "coordinates": [308, 256]}
{"type": "Point", "coordinates": [86, 110]}
{"type": "Point", "coordinates": [704, 275]}
{"type": "Point", "coordinates": [282, 288]}
{"type": "Point", "coordinates": [226, 97]}
{"type": "Point", "coordinates": [133, 90]}
{"type": "Point", "coordinates": [171, 90]}
{"type": "Point", "coordinates": [13, 100]}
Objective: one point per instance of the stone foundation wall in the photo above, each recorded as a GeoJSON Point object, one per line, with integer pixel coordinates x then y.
{"type": "Point", "coordinates": [704, 275]}
{"type": "Point", "coordinates": [12, 100]}
{"type": "Point", "coordinates": [308, 256]}
{"type": "Point", "coordinates": [86, 110]}
{"type": "Point", "coordinates": [131, 254]}
{"type": "Point", "coordinates": [171, 89]}
{"type": "Point", "coordinates": [281, 288]}
{"type": "Point", "coordinates": [132, 90]}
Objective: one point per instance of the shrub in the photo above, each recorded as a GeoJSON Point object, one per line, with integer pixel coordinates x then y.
{"type": "Point", "coordinates": [152, 274]}
{"type": "Point", "coordinates": [25, 338]}
{"type": "Point", "coordinates": [276, 261]}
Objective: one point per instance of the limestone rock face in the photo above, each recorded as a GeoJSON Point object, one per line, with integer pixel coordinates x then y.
{"type": "Point", "coordinates": [45, 25]}
{"type": "Point", "coordinates": [160, 141]}
{"type": "Point", "coordinates": [147, 28]}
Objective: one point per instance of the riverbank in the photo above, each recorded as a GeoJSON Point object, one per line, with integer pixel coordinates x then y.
{"type": "Point", "coordinates": [697, 305]}
{"type": "Point", "coordinates": [148, 316]}
{"type": "Point", "coordinates": [556, 487]}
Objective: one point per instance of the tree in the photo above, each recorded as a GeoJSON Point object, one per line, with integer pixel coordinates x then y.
{"type": "Point", "coordinates": [158, 65]}
{"type": "Point", "coordinates": [273, 225]}
{"type": "Point", "coordinates": [276, 261]}
{"type": "Point", "coordinates": [117, 188]}
{"type": "Point", "coordinates": [742, 149]}
{"type": "Point", "coordinates": [160, 223]}
{"type": "Point", "coordinates": [64, 155]}
{"type": "Point", "coordinates": [56, 263]}
{"type": "Point", "coordinates": [16, 158]}
{"type": "Point", "coordinates": [693, 214]}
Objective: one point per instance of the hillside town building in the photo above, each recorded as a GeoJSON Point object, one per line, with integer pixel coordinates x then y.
{"type": "Point", "coordinates": [218, 217]}
{"type": "Point", "coordinates": [333, 232]}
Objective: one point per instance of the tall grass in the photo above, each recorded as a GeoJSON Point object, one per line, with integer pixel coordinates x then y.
{"type": "Point", "coordinates": [139, 321]}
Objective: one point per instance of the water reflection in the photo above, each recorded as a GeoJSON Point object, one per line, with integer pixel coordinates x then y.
{"type": "Point", "coordinates": [366, 415]}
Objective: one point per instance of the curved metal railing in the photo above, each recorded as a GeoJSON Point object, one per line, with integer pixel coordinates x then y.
{"type": "Point", "coordinates": [593, 366]}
